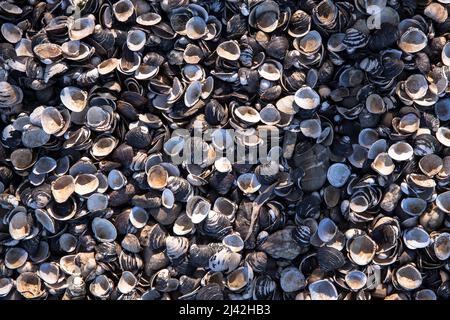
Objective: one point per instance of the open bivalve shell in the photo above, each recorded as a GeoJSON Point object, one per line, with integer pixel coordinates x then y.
{"type": "Point", "coordinates": [323, 290]}
{"type": "Point", "coordinates": [408, 277]}
{"type": "Point", "coordinates": [104, 230]}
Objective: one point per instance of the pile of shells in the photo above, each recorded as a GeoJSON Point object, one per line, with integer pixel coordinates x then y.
{"type": "Point", "coordinates": [351, 201]}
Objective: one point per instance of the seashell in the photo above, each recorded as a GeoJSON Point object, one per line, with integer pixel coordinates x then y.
{"type": "Point", "coordinates": [270, 115]}
{"type": "Point", "coordinates": [6, 284]}
{"type": "Point", "coordinates": [247, 114]}
{"type": "Point", "coordinates": [445, 54]}
{"type": "Point", "coordinates": [329, 259]}
{"type": "Point", "coordinates": [127, 282]}
{"type": "Point", "coordinates": [82, 28]}
{"type": "Point", "coordinates": [270, 70]}
{"type": "Point", "coordinates": [197, 209]}
{"type": "Point", "coordinates": [116, 180]}
{"type": "Point", "coordinates": [157, 177]}
{"type": "Point", "coordinates": [44, 165]}
{"type": "Point", "coordinates": [48, 52]}
{"type": "Point", "coordinates": [138, 217]}
{"type": "Point", "coordinates": [400, 151]}
{"type": "Point", "coordinates": [408, 277]}
{"type": "Point", "coordinates": [443, 136]}
{"type": "Point", "coordinates": [11, 32]}
{"type": "Point", "coordinates": [131, 243]}
{"type": "Point", "coordinates": [327, 229]}
{"type": "Point", "coordinates": [15, 258]}
{"type": "Point", "coordinates": [356, 280]}
{"type": "Point", "coordinates": [442, 201]}
{"type": "Point", "coordinates": [68, 242]}
{"type": "Point", "coordinates": [183, 225]}
{"type": "Point", "coordinates": [136, 40]}
{"type": "Point", "coordinates": [311, 128]}
{"type": "Point", "coordinates": [300, 24]}
{"type": "Point", "coordinates": [323, 290]}
{"type": "Point", "coordinates": [104, 230]}
{"type": "Point", "coordinates": [211, 291]}
{"type": "Point", "coordinates": [437, 12]}
{"type": "Point", "coordinates": [86, 184]}
{"type": "Point", "coordinates": [74, 98]}
{"type": "Point", "coordinates": [413, 40]}
{"type": "Point", "coordinates": [416, 238]}
{"type": "Point", "coordinates": [354, 39]}
{"type": "Point", "coordinates": [416, 86]}
{"type": "Point", "coordinates": [442, 109]}
{"type": "Point", "coordinates": [28, 284]}
{"type": "Point", "coordinates": [62, 188]}
{"type": "Point", "coordinates": [229, 50]}
{"type": "Point", "coordinates": [248, 183]}
{"type": "Point", "coordinates": [306, 98]}
{"type": "Point", "coordinates": [167, 199]}
{"type": "Point", "coordinates": [234, 242]}
{"type": "Point", "coordinates": [123, 10]}
{"type": "Point", "coordinates": [20, 226]}
{"type": "Point", "coordinates": [224, 260]}
{"type": "Point", "coordinates": [176, 248]}
{"type": "Point", "coordinates": [383, 164]}
{"type": "Point", "coordinates": [101, 287]}
{"type": "Point", "coordinates": [239, 278]}
{"type": "Point", "coordinates": [49, 272]}
{"type": "Point", "coordinates": [174, 146]}
{"type": "Point", "coordinates": [148, 19]}
{"type": "Point", "coordinates": [425, 294]}
{"type": "Point", "coordinates": [338, 174]}
{"type": "Point", "coordinates": [291, 279]}
{"type": "Point", "coordinates": [195, 28]}
{"type": "Point", "coordinates": [375, 104]}
{"type": "Point", "coordinates": [441, 246]}
{"type": "Point", "coordinates": [264, 16]}
{"type": "Point", "coordinates": [362, 250]}
{"type": "Point", "coordinates": [430, 165]}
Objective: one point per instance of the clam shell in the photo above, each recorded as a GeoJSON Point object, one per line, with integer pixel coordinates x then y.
{"type": "Point", "coordinates": [323, 290]}
{"type": "Point", "coordinates": [74, 98]}
{"type": "Point", "coordinates": [127, 282]}
{"type": "Point", "coordinates": [136, 40]}
{"type": "Point", "coordinates": [291, 279]}
{"type": "Point", "coordinates": [306, 98]}
{"type": "Point", "coordinates": [157, 177]}
{"type": "Point", "coordinates": [383, 164]}
{"type": "Point", "coordinates": [330, 259]}
{"type": "Point", "coordinates": [408, 277]}
{"type": "Point", "coordinates": [413, 40]}
{"type": "Point", "coordinates": [104, 230]}
{"type": "Point", "coordinates": [416, 238]}
{"type": "Point", "coordinates": [138, 217]}
{"type": "Point", "coordinates": [362, 250]}
{"type": "Point", "coordinates": [20, 226]}
{"type": "Point", "coordinates": [338, 174]}
{"type": "Point", "coordinates": [15, 258]}
{"type": "Point", "coordinates": [86, 183]}
{"type": "Point", "coordinates": [400, 151]}
{"type": "Point", "coordinates": [29, 285]}
{"type": "Point", "coordinates": [441, 246]}
{"type": "Point", "coordinates": [229, 50]}
{"type": "Point", "coordinates": [356, 280]}
{"type": "Point", "coordinates": [62, 188]}
{"type": "Point", "coordinates": [49, 272]}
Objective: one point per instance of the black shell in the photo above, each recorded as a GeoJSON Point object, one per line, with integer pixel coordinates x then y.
{"type": "Point", "coordinates": [330, 259]}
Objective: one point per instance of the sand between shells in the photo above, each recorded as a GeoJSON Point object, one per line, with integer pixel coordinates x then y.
{"type": "Point", "coordinates": [351, 200]}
